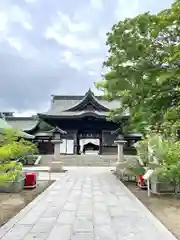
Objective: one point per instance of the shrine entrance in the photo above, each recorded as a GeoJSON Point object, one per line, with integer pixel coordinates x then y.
{"type": "Point", "coordinates": [89, 141]}
{"type": "Point", "coordinates": [91, 148]}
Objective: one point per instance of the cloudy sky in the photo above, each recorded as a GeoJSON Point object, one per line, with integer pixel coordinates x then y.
{"type": "Point", "coordinates": [56, 47]}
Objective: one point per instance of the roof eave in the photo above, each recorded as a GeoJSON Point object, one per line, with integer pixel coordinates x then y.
{"type": "Point", "coordinates": [34, 126]}
{"type": "Point", "coordinates": [45, 116]}
{"type": "Point", "coordinates": [104, 116]}
{"type": "Point", "coordinates": [27, 136]}
{"type": "Point", "coordinates": [31, 129]}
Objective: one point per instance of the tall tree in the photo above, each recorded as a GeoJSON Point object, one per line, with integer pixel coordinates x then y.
{"type": "Point", "coordinates": [144, 67]}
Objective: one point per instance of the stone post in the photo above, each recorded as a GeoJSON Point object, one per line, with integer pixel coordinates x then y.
{"type": "Point", "coordinates": [121, 163]}
{"type": "Point", "coordinates": [120, 145]}
{"type": "Point", "coordinates": [57, 149]}
{"type": "Point", "coordinates": [56, 164]}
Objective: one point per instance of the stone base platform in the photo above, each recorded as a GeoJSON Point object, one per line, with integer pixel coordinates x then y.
{"type": "Point", "coordinates": [56, 166]}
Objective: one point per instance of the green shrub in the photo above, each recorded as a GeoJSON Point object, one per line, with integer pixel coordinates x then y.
{"type": "Point", "coordinates": [142, 151]}
{"type": "Point", "coordinates": [13, 148]}
{"type": "Point", "coordinates": [10, 171]}
{"type": "Point", "coordinates": [167, 151]}
{"type": "Point", "coordinates": [136, 169]}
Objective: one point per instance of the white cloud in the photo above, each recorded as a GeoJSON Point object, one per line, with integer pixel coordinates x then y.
{"type": "Point", "coordinates": [30, 1]}
{"type": "Point", "coordinates": [72, 60]}
{"type": "Point", "coordinates": [62, 24]}
{"type": "Point", "coordinates": [126, 9]}
{"type": "Point", "coordinates": [16, 14]}
{"type": "Point", "coordinates": [67, 55]}
{"type": "Point", "coordinates": [23, 47]}
{"type": "Point", "coordinates": [3, 25]}
{"type": "Point", "coordinates": [69, 33]}
{"type": "Point", "coordinates": [13, 14]}
{"type": "Point", "coordinates": [27, 25]}
{"type": "Point", "coordinates": [72, 41]}
{"type": "Point", "coordinates": [71, 25]}
{"type": "Point", "coordinates": [92, 66]}
{"type": "Point", "coordinates": [102, 34]}
{"type": "Point", "coordinates": [15, 43]}
{"type": "Point", "coordinates": [97, 4]}
{"type": "Point", "coordinates": [92, 73]}
{"type": "Point", "coordinates": [3, 21]}
{"type": "Point", "coordinates": [94, 61]}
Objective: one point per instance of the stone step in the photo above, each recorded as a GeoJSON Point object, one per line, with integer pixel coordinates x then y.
{"type": "Point", "coordinates": [82, 160]}
{"type": "Point", "coordinates": [85, 160]}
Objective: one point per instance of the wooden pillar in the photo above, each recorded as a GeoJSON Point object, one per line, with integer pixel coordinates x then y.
{"type": "Point", "coordinates": [100, 143]}
{"type": "Point", "coordinates": [76, 143]}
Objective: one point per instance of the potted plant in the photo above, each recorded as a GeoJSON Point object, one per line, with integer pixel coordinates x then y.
{"type": "Point", "coordinates": [146, 160]}
{"type": "Point", "coordinates": [138, 171]}
{"type": "Point", "coordinates": [11, 176]}
{"type": "Point", "coordinates": [159, 183]}
{"type": "Point", "coordinates": [166, 175]}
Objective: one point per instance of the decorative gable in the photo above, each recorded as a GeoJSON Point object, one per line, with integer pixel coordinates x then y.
{"type": "Point", "coordinates": [89, 103]}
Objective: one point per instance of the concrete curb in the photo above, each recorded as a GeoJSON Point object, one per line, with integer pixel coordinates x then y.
{"type": "Point", "coordinates": [38, 160]}
{"type": "Point", "coordinates": [166, 234]}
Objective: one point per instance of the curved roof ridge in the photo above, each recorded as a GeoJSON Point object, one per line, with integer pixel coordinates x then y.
{"type": "Point", "coordinates": [88, 94]}
{"type": "Point", "coordinates": [78, 114]}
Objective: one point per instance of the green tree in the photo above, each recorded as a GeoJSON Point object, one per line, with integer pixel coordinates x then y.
{"type": "Point", "coordinates": [144, 68]}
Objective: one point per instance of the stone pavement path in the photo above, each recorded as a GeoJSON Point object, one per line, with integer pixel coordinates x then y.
{"type": "Point", "coordinates": [85, 204]}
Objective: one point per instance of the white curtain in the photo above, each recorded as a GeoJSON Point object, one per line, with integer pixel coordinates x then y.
{"type": "Point", "coordinates": [70, 146]}
{"type": "Point", "coordinates": [67, 146]}
{"type": "Point", "coordinates": [87, 140]}
{"type": "Point", "coordinates": [63, 147]}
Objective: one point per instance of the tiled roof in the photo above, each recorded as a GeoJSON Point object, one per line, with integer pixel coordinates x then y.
{"type": "Point", "coordinates": [22, 123]}
{"type": "Point", "coordinates": [50, 132]}
{"type": "Point", "coordinates": [5, 125]}
{"type": "Point", "coordinates": [61, 105]}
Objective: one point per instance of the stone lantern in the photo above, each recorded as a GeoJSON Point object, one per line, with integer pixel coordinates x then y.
{"type": "Point", "coordinates": [121, 163]}
{"type": "Point", "coordinates": [56, 164]}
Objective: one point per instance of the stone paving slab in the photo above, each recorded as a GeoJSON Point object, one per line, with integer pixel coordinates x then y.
{"type": "Point", "coordinates": [85, 204]}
